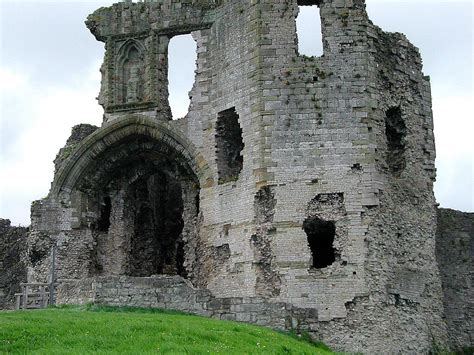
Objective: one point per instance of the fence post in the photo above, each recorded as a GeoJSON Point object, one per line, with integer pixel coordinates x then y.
{"type": "Point", "coordinates": [18, 302]}
{"type": "Point", "coordinates": [52, 298]}
{"type": "Point", "coordinates": [43, 299]}
{"type": "Point", "coordinates": [25, 296]}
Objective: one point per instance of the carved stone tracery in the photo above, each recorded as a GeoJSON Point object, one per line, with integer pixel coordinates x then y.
{"type": "Point", "coordinates": [129, 75]}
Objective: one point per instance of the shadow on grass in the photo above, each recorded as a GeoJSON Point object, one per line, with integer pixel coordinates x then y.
{"type": "Point", "coordinates": [306, 337]}
{"type": "Point", "coordinates": [91, 307]}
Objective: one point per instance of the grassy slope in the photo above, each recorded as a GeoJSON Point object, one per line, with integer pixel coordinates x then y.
{"type": "Point", "coordinates": [105, 330]}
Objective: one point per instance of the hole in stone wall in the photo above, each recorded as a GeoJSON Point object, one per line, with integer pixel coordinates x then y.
{"type": "Point", "coordinates": [395, 131]}
{"type": "Point", "coordinates": [182, 55]}
{"type": "Point", "coordinates": [229, 146]}
{"type": "Point", "coordinates": [37, 254]}
{"type": "Point", "coordinates": [308, 29]}
{"type": "Point", "coordinates": [103, 223]}
{"type": "Point", "coordinates": [197, 202]}
{"type": "Point", "coordinates": [320, 235]}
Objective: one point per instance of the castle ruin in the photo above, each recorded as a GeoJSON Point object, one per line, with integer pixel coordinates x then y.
{"type": "Point", "coordinates": [296, 193]}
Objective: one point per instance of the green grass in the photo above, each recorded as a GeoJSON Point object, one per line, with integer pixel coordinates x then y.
{"type": "Point", "coordinates": [105, 330]}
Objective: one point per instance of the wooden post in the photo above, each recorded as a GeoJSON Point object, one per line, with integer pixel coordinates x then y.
{"type": "Point", "coordinates": [52, 299]}
{"type": "Point", "coordinates": [43, 299]}
{"type": "Point", "coordinates": [25, 296]}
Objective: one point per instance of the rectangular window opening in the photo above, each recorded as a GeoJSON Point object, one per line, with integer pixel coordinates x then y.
{"type": "Point", "coordinates": [320, 235]}
{"type": "Point", "coordinates": [308, 29]}
{"type": "Point", "coordinates": [182, 55]}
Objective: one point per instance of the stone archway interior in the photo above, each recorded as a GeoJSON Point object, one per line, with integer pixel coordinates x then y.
{"type": "Point", "coordinates": [144, 202]}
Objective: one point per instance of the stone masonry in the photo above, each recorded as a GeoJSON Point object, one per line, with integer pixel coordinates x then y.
{"type": "Point", "coordinates": [12, 266]}
{"type": "Point", "coordinates": [302, 184]}
{"type": "Point", "coordinates": [174, 292]}
{"type": "Point", "coordinates": [455, 254]}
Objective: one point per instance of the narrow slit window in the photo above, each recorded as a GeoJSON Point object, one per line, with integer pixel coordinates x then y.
{"type": "Point", "coordinates": [229, 146]}
{"type": "Point", "coordinates": [308, 29]}
{"type": "Point", "coordinates": [182, 55]}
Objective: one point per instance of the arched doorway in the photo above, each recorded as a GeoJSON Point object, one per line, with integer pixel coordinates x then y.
{"type": "Point", "coordinates": [141, 181]}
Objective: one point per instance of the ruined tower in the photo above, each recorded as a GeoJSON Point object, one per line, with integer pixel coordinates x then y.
{"type": "Point", "coordinates": [296, 193]}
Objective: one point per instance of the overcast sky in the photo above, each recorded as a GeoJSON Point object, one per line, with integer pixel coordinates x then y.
{"type": "Point", "coordinates": [49, 78]}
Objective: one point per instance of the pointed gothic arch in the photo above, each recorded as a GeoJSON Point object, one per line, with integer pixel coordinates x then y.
{"type": "Point", "coordinates": [163, 134]}
{"type": "Point", "coordinates": [129, 70]}
{"type": "Point", "coordinates": [136, 183]}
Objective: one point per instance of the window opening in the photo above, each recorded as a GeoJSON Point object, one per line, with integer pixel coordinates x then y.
{"type": "Point", "coordinates": [182, 55]}
{"type": "Point", "coordinates": [395, 130]}
{"type": "Point", "coordinates": [308, 29]}
{"type": "Point", "coordinates": [229, 144]}
{"type": "Point", "coordinates": [320, 235]}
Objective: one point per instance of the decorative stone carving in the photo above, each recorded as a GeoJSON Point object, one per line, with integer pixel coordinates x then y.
{"type": "Point", "coordinates": [133, 85]}
{"type": "Point", "coordinates": [130, 79]}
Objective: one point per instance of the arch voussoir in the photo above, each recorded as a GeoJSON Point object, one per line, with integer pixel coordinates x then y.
{"type": "Point", "coordinates": [99, 142]}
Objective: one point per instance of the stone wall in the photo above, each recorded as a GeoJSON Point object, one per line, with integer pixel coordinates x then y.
{"type": "Point", "coordinates": [455, 254]}
{"type": "Point", "coordinates": [176, 293]}
{"type": "Point", "coordinates": [78, 133]}
{"type": "Point", "coordinates": [340, 144]}
{"type": "Point", "coordinates": [12, 266]}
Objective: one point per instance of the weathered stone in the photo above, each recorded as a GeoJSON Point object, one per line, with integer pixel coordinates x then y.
{"type": "Point", "coordinates": [12, 264]}
{"type": "Point", "coordinates": [78, 134]}
{"type": "Point", "coordinates": [222, 213]}
{"type": "Point", "coordinates": [455, 254]}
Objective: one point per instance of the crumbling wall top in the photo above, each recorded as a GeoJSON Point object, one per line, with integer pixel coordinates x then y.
{"type": "Point", "coordinates": [173, 17]}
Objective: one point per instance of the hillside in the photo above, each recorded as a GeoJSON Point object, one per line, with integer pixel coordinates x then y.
{"type": "Point", "coordinates": [79, 330]}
